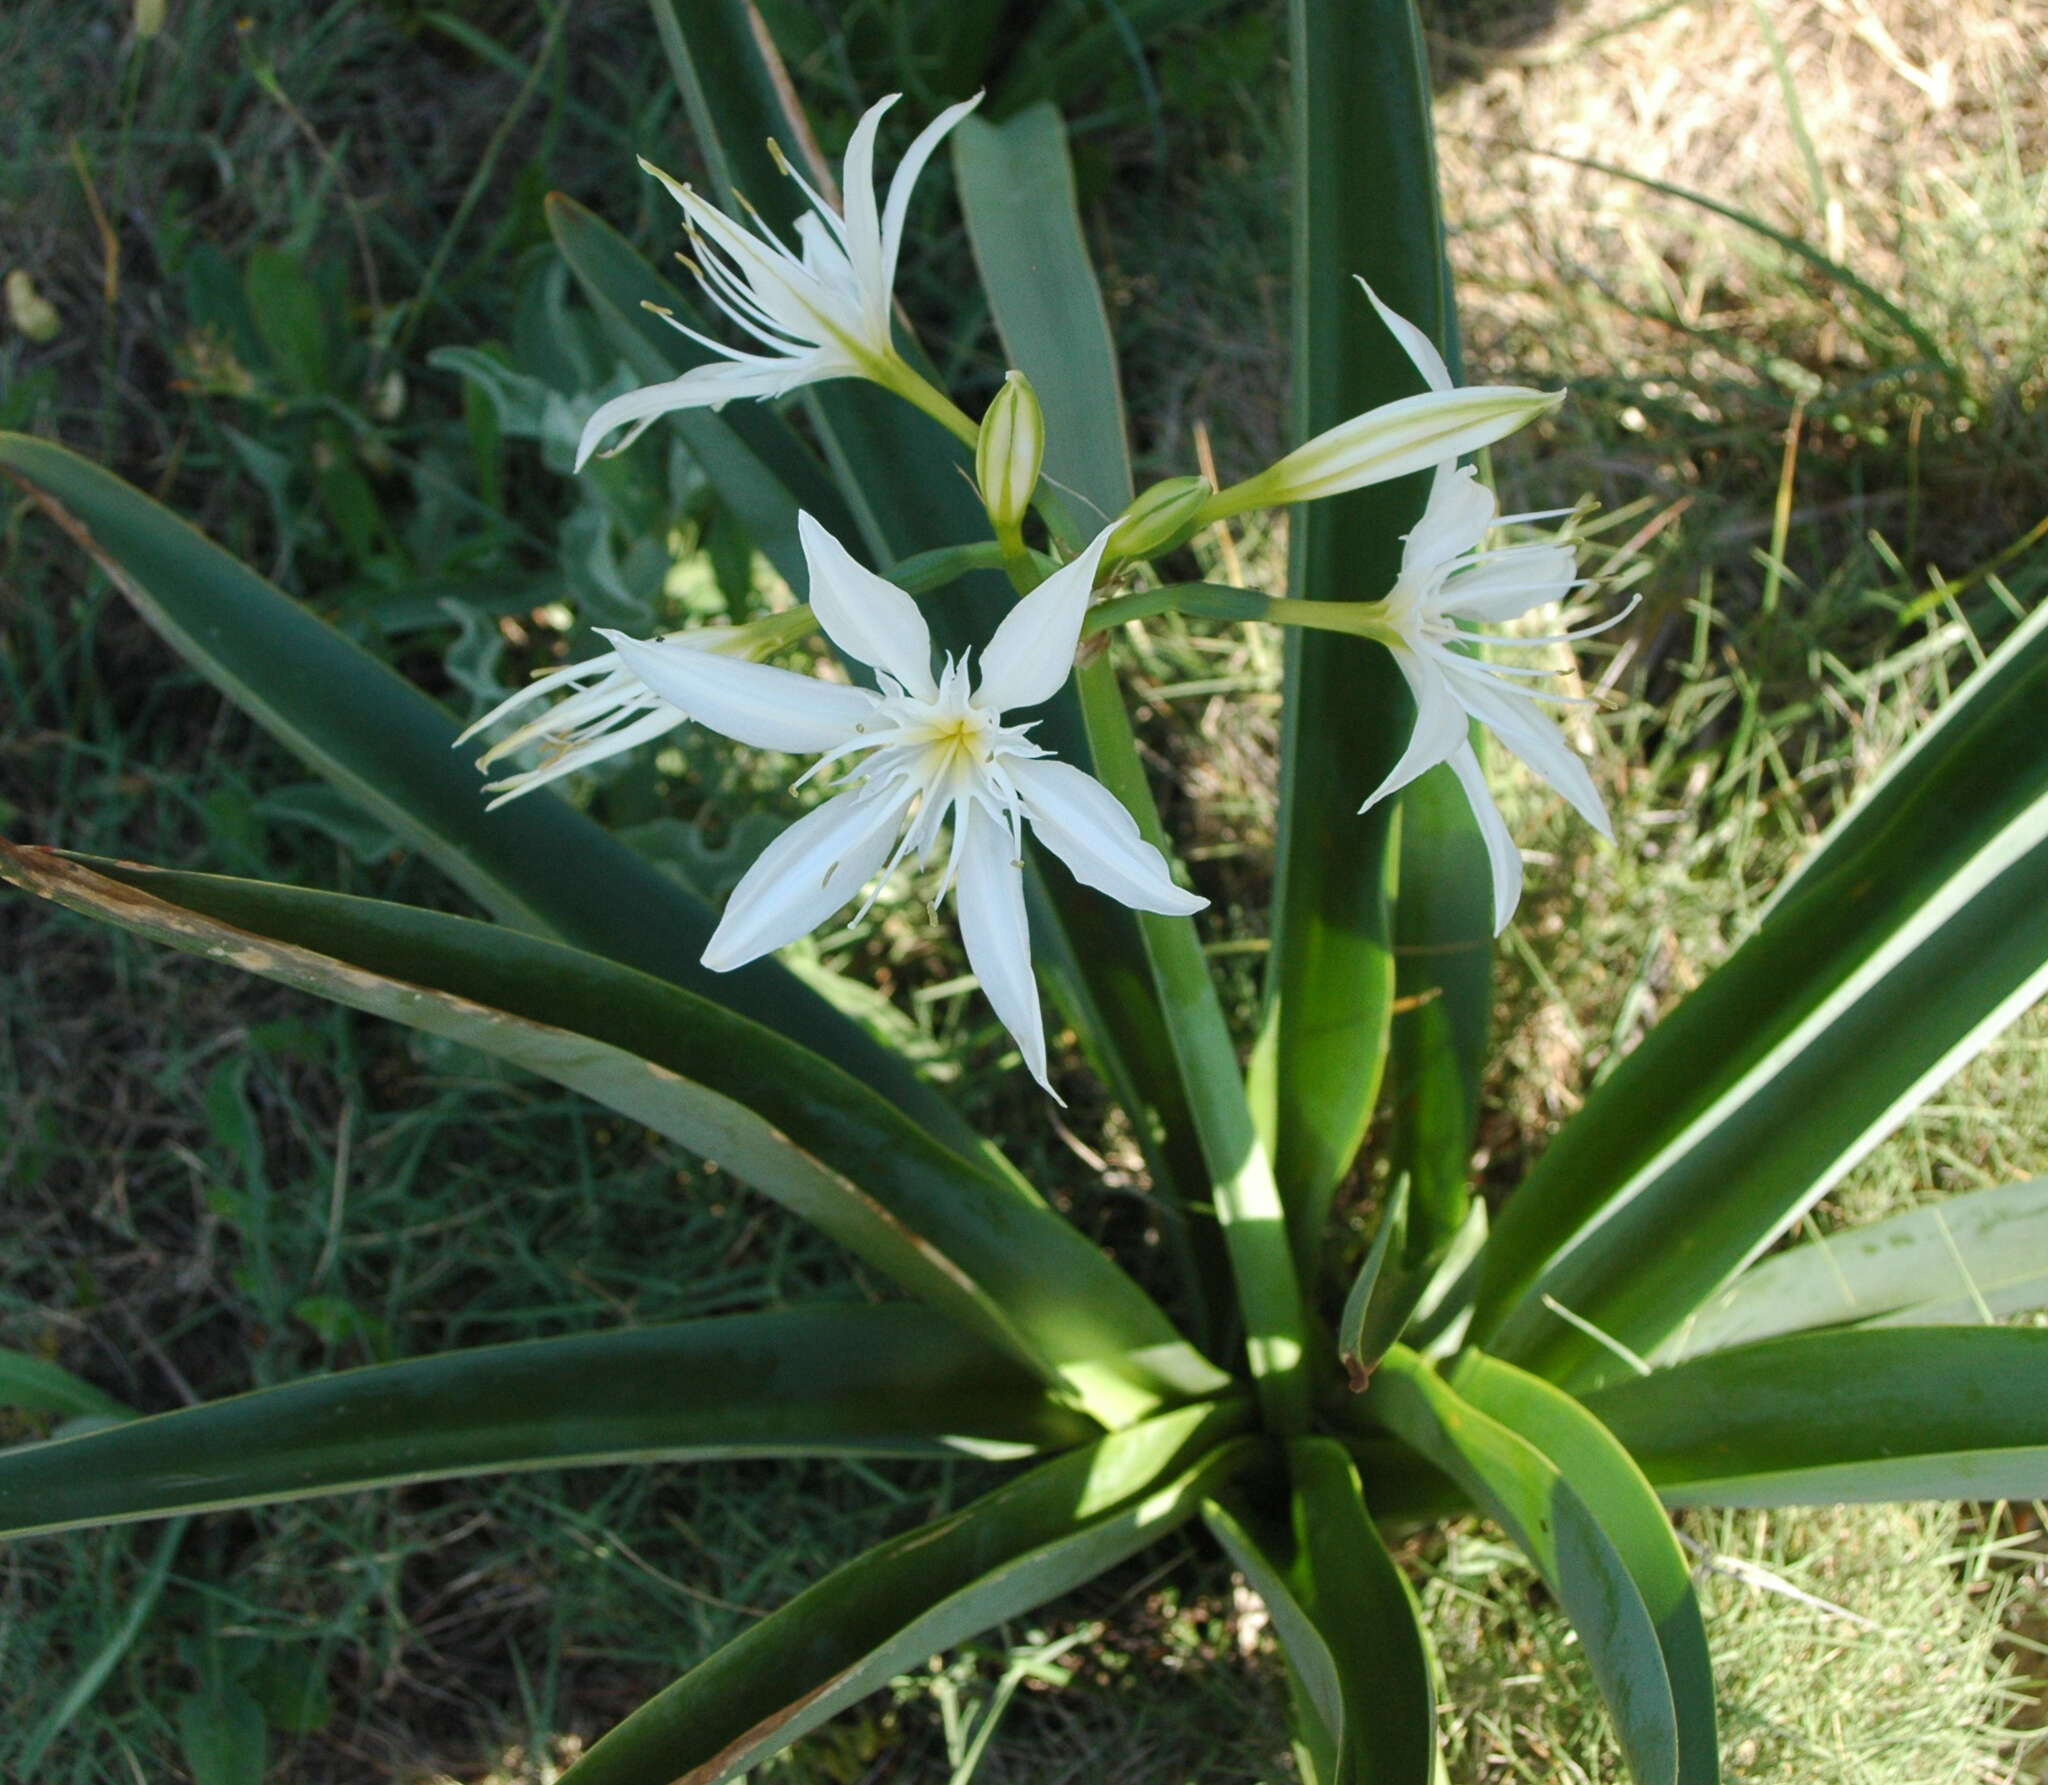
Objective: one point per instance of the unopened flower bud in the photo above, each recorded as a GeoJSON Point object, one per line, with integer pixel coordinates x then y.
{"type": "Point", "coordinates": [1009, 452]}
{"type": "Point", "coordinates": [30, 312]}
{"type": "Point", "coordinates": [149, 18]}
{"type": "Point", "coordinates": [1161, 518]}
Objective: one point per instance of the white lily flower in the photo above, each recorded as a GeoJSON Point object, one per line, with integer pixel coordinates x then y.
{"type": "Point", "coordinates": [941, 747]}
{"type": "Point", "coordinates": [1393, 439]}
{"type": "Point", "coordinates": [1445, 578]}
{"type": "Point", "coordinates": [819, 310]}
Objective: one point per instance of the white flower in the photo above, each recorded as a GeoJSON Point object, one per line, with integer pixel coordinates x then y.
{"type": "Point", "coordinates": [940, 746]}
{"type": "Point", "coordinates": [1445, 578]}
{"type": "Point", "coordinates": [821, 310]}
{"type": "Point", "coordinates": [610, 710]}
{"type": "Point", "coordinates": [1393, 439]}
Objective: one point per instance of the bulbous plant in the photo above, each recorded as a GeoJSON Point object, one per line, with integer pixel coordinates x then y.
{"type": "Point", "coordinates": [1609, 1348]}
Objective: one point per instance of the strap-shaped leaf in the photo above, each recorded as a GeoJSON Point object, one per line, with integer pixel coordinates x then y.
{"type": "Point", "coordinates": [1622, 1500]}
{"type": "Point", "coordinates": [1526, 1493]}
{"type": "Point", "coordinates": [853, 1380]}
{"type": "Point", "coordinates": [1916, 932]}
{"type": "Point", "coordinates": [536, 864]}
{"type": "Point", "coordinates": [1038, 1536]}
{"type": "Point", "coordinates": [1018, 194]}
{"type": "Point", "coordinates": [1952, 1263]}
{"type": "Point", "coordinates": [755, 460]}
{"type": "Point", "coordinates": [978, 1246]}
{"type": "Point", "coordinates": [1348, 1622]}
{"type": "Point", "coordinates": [1896, 1413]}
{"type": "Point", "coordinates": [39, 1386]}
{"type": "Point", "coordinates": [1365, 203]}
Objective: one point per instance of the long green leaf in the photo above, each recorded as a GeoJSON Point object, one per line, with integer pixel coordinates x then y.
{"type": "Point", "coordinates": [1955, 1262]}
{"type": "Point", "coordinates": [1915, 933]}
{"type": "Point", "coordinates": [535, 864]}
{"type": "Point", "coordinates": [756, 461]}
{"type": "Point", "coordinates": [35, 1384]}
{"type": "Point", "coordinates": [1039, 1536]}
{"type": "Point", "coordinates": [982, 1248]}
{"type": "Point", "coordinates": [853, 1380]}
{"type": "Point", "coordinates": [1525, 1493]}
{"type": "Point", "coordinates": [1625, 1505]}
{"type": "Point", "coordinates": [1365, 202]}
{"type": "Point", "coordinates": [1896, 1413]}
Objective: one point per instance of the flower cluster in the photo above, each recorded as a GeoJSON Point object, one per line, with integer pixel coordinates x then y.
{"type": "Point", "coordinates": [934, 747]}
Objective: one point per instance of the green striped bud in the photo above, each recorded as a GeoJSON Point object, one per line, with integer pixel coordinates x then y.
{"type": "Point", "coordinates": [1161, 518]}
{"type": "Point", "coordinates": [1008, 452]}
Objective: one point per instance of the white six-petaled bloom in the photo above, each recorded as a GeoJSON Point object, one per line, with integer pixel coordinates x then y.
{"type": "Point", "coordinates": [936, 746]}
{"type": "Point", "coordinates": [820, 310]}
{"type": "Point", "coordinates": [1447, 579]}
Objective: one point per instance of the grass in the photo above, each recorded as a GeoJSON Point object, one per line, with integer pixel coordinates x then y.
{"type": "Point", "coordinates": [213, 1185]}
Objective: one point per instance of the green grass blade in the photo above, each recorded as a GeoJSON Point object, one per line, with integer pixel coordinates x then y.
{"type": "Point", "coordinates": [1017, 192]}
{"type": "Point", "coordinates": [1365, 202]}
{"type": "Point", "coordinates": [1524, 1492]}
{"type": "Point", "coordinates": [1915, 932]}
{"type": "Point", "coordinates": [38, 1386]}
{"type": "Point", "coordinates": [1952, 1263]}
{"type": "Point", "coordinates": [1040, 1535]}
{"type": "Point", "coordinates": [536, 864]}
{"type": "Point", "coordinates": [1625, 1505]}
{"type": "Point", "coordinates": [1899, 1413]}
{"type": "Point", "coordinates": [755, 460]}
{"type": "Point", "coordinates": [854, 1380]}
{"type": "Point", "coordinates": [978, 1246]}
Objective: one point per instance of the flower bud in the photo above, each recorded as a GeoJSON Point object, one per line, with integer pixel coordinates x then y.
{"type": "Point", "coordinates": [149, 18]}
{"type": "Point", "coordinates": [1161, 518]}
{"type": "Point", "coordinates": [30, 312]}
{"type": "Point", "coordinates": [1009, 451]}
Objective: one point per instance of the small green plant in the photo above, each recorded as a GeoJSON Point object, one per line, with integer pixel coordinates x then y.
{"type": "Point", "coordinates": [1608, 1347]}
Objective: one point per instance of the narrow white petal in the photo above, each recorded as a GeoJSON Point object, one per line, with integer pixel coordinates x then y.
{"type": "Point", "coordinates": [658, 722]}
{"type": "Point", "coordinates": [1523, 726]}
{"type": "Point", "coordinates": [1506, 585]}
{"type": "Point", "coordinates": [805, 875]}
{"type": "Point", "coordinates": [1032, 653]}
{"type": "Point", "coordinates": [907, 170]}
{"type": "Point", "coordinates": [1501, 854]}
{"type": "Point", "coordinates": [772, 709]}
{"type": "Point", "coordinates": [867, 618]}
{"type": "Point", "coordinates": [590, 669]}
{"type": "Point", "coordinates": [1418, 346]}
{"type": "Point", "coordinates": [1440, 726]}
{"type": "Point", "coordinates": [857, 194]}
{"type": "Point", "coordinates": [1089, 829]}
{"type": "Point", "coordinates": [1459, 511]}
{"type": "Point", "coordinates": [1393, 440]}
{"type": "Point", "coordinates": [995, 933]}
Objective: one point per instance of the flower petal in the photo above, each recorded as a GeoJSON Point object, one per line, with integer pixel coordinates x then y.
{"type": "Point", "coordinates": [1032, 653]}
{"type": "Point", "coordinates": [1459, 512]}
{"type": "Point", "coordinates": [1089, 829]}
{"type": "Point", "coordinates": [805, 875]}
{"type": "Point", "coordinates": [1501, 854]}
{"type": "Point", "coordinates": [1418, 346]}
{"type": "Point", "coordinates": [866, 617]}
{"type": "Point", "coordinates": [1507, 584]}
{"type": "Point", "coordinates": [772, 709]}
{"type": "Point", "coordinates": [907, 170]}
{"type": "Point", "coordinates": [994, 930]}
{"type": "Point", "coordinates": [1525, 728]}
{"type": "Point", "coordinates": [1440, 730]}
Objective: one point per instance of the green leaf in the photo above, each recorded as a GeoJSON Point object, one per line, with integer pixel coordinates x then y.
{"type": "Point", "coordinates": [1017, 192]}
{"type": "Point", "coordinates": [1343, 1582]}
{"type": "Point", "coordinates": [1895, 1413]}
{"type": "Point", "coordinates": [1365, 202]}
{"type": "Point", "coordinates": [1954, 1262]}
{"type": "Point", "coordinates": [221, 1734]}
{"type": "Point", "coordinates": [535, 864]}
{"type": "Point", "coordinates": [1357, 1349]}
{"type": "Point", "coordinates": [1915, 933]}
{"type": "Point", "coordinates": [853, 1380]}
{"type": "Point", "coordinates": [977, 1245]}
{"type": "Point", "coordinates": [1525, 1493]}
{"type": "Point", "coordinates": [1032, 1539]}
{"type": "Point", "coordinates": [760, 467]}
{"type": "Point", "coordinates": [38, 1386]}
{"type": "Point", "coordinates": [1625, 1506]}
